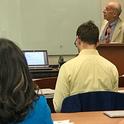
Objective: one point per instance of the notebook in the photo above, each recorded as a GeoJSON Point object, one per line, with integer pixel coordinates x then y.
{"type": "Point", "coordinates": [114, 114]}
{"type": "Point", "coordinates": [37, 59]}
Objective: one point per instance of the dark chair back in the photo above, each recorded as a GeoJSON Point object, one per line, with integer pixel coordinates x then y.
{"type": "Point", "coordinates": [94, 101]}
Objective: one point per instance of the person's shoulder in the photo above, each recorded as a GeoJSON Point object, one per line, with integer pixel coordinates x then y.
{"type": "Point", "coordinates": [42, 104]}
{"type": "Point", "coordinates": [41, 100]}
{"type": "Point", "coordinates": [121, 22]}
{"type": "Point", "coordinates": [69, 62]}
{"type": "Point", "coordinates": [108, 63]}
{"type": "Point", "coordinates": [39, 112]}
{"type": "Point", "coordinates": [67, 66]}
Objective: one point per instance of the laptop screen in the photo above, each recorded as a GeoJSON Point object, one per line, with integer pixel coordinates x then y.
{"type": "Point", "coordinates": [36, 58]}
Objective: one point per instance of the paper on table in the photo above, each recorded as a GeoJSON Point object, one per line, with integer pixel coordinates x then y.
{"type": "Point", "coordinates": [46, 91]}
{"type": "Point", "coordinates": [122, 75]}
{"type": "Point", "coordinates": [114, 113]}
{"type": "Point", "coordinates": [121, 91]}
{"type": "Point", "coordinates": [63, 122]}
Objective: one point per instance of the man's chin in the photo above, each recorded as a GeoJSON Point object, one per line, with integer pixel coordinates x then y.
{"type": "Point", "coordinates": [106, 19]}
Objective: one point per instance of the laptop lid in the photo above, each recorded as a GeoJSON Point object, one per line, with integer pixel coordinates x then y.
{"type": "Point", "coordinates": [36, 58]}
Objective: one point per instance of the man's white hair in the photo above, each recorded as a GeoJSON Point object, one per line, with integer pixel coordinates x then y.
{"type": "Point", "coordinates": [116, 5]}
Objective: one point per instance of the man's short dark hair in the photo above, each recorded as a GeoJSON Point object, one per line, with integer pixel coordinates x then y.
{"type": "Point", "coordinates": [88, 32]}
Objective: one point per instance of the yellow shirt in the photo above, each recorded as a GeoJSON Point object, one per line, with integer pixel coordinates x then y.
{"type": "Point", "coordinates": [87, 72]}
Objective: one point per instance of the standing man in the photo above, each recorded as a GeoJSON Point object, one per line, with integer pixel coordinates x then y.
{"type": "Point", "coordinates": [88, 71]}
{"type": "Point", "coordinates": [112, 30]}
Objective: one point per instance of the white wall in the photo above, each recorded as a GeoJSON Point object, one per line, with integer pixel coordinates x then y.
{"type": "Point", "coordinates": [52, 24]}
{"type": "Point", "coordinates": [10, 20]}
{"type": "Point", "coordinates": [20, 22]}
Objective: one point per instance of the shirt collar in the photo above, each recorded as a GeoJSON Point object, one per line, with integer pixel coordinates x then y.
{"type": "Point", "coordinates": [113, 23]}
{"type": "Point", "coordinates": [89, 52]}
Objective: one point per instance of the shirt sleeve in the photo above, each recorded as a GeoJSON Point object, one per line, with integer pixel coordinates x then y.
{"type": "Point", "coordinates": [62, 88]}
{"type": "Point", "coordinates": [116, 79]}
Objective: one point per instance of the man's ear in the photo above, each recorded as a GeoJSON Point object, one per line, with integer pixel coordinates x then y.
{"type": "Point", "coordinates": [97, 44]}
{"type": "Point", "coordinates": [77, 37]}
{"type": "Point", "coordinates": [78, 41]}
{"type": "Point", "coordinates": [115, 13]}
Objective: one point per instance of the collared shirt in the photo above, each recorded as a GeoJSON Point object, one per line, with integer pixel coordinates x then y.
{"type": "Point", "coordinates": [87, 72]}
{"type": "Point", "coordinates": [113, 24]}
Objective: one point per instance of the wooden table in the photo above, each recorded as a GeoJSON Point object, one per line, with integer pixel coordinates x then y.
{"type": "Point", "coordinates": [87, 118]}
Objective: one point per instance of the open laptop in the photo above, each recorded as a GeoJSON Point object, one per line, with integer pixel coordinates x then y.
{"type": "Point", "coordinates": [37, 59]}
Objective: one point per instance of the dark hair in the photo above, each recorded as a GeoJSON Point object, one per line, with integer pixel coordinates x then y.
{"type": "Point", "coordinates": [16, 88]}
{"type": "Point", "coordinates": [88, 32]}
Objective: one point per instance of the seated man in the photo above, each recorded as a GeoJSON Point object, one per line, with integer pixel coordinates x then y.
{"type": "Point", "coordinates": [88, 71]}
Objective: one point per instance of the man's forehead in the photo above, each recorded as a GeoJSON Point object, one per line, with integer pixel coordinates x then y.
{"type": "Point", "coordinates": [112, 5]}
{"type": "Point", "coordinates": [109, 8]}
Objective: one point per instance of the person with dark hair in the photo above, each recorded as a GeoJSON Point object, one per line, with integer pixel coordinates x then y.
{"type": "Point", "coordinates": [86, 72]}
{"type": "Point", "coordinates": [112, 30]}
{"type": "Point", "coordinates": [18, 101]}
